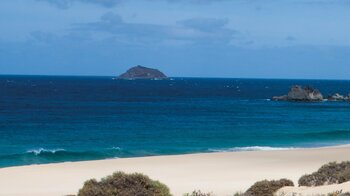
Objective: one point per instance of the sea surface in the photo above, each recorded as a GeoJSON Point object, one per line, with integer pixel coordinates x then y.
{"type": "Point", "coordinates": [46, 119]}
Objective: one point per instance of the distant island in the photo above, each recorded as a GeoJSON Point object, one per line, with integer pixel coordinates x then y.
{"type": "Point", "coordinates": [141, 72]}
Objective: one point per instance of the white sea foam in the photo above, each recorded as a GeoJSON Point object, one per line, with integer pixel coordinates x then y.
{"type": "Point", "coordinates": [43, 150]}
{"type": "Point", "coordinates": [249, 148]}
{"type": "Point", "coordinates": [115, 148]}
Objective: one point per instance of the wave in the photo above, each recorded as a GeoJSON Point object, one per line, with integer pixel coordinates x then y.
{"type": "Point", "coordinates": [43, 150]}
{"type": "Point", "coordinates": [42, 155]}
{"type": "Point", "coordinates": [250, 148]}
{"type": "Point", "coordinates": [115, 148]}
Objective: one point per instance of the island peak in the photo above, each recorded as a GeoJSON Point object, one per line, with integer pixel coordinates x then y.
{"type": "Point", "coordinates": [141, 72]}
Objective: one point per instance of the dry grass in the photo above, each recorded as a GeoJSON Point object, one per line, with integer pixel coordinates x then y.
{"type": "Point", "coordinates": [198, 193]}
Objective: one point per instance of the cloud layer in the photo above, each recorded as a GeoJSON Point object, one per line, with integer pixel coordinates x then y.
{"type": "Point", "coordinates": [64, 4]}
{"type": "Point", "coordinates": [194, 30]}
{"type": "Point", "coordinates": [217, 38]}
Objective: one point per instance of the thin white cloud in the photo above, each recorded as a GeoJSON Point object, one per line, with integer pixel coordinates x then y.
{"type": "Point", "coordinates": [195, 30]}
{"type": "Point", "coordinates": [64, 4]}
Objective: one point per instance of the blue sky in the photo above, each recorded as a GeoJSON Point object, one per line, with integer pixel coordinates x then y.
{"type": "Point", "coordinates": [194, 38]}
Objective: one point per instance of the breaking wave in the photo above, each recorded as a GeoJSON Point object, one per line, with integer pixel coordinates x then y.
{"type": "Point", "coordinates": [42, 155]}
{"type": "Point", "coordinates": [43, 150]}
{"type": "Point", "coordinates": [250, 148]}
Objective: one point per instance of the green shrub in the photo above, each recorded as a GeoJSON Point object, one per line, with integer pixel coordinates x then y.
{"type": "Point", "coordinates": [267, 188]}
{"type": "Point", "coordinates": [331, 173]}
{"type": "Point", "coordinates": [344, 176]}
{"type": "Point", "coordinates": [121, 184]}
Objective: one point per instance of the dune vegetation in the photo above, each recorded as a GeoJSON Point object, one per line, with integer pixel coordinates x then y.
{"type": "Point", "coordinates": [331, 173]}
{"type": "Point", "coordinates": [122, 184]}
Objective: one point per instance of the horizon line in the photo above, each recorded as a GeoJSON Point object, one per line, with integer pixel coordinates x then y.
{"type": "Point", "coordinates": [199, 77]}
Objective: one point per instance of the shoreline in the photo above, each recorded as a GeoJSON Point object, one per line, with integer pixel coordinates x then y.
{"type": "Point", "coordinates": [209, 151]}
{"type": "Point", "coordinates": [222, 173]}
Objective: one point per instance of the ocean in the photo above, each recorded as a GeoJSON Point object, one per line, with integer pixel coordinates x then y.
{"type": "Point", "coordinates": [47, 119]}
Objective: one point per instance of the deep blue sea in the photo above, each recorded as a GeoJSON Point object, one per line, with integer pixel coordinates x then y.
{"type": "Point", "coordinates": [45, 119]}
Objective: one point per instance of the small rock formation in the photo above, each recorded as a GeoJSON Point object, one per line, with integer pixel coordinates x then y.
{"type": "Point", "coordinates": [297, 93]}
{"type": "Point", "coordinates": [140, 72]}
{"type": "Point", "coordinates": [338, 97]}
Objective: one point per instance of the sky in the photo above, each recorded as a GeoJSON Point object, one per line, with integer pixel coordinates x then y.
{"type": "Point", "coordinates": [302, 39]}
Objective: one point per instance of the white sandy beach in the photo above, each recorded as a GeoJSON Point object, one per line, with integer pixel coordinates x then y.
{"type": "Point", "coordinates": [219, 173]}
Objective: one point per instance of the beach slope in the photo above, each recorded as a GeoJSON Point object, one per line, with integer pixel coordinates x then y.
{"type": "Point", "coordinates": [221, 173]}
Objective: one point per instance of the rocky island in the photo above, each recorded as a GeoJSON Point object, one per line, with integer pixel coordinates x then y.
{"type": "Point", "coordinates": [338, 97]}
{"type": "Point", "coordinates": [141, 72]}
{"type": "Point", "coordinates": [297, 93]}
{"type": "Point", "coordinates": [309, 94]}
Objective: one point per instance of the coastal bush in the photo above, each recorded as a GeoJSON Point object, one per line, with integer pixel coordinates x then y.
{"type": "Point", "coordinates": [267, 188]}
{"type": "Point", "coordinates": [121, 184]}
{"type": "Point", "coordinates": [331, 173]}
{"type": "Point", "coordinates": [344, 176]}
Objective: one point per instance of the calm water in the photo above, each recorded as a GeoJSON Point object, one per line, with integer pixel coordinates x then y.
{"type": "Point", "coordinates": [55, 119]}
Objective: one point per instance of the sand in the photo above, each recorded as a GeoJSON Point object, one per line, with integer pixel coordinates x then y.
{"type": "Point", "coordinates": [220, 173]}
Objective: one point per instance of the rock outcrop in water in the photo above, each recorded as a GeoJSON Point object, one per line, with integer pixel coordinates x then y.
{"type": "Point", "coordinates": [338, 97]}
{"type": "Point", "coordinates": [297, 93]}
{"type": "Point", "coordinates": [140, 72]}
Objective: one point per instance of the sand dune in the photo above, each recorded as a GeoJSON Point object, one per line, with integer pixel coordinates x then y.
{"type": "Point", "coordinates": [311, 191]}
{"type": "Point", "coordinates": [220, 173]}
